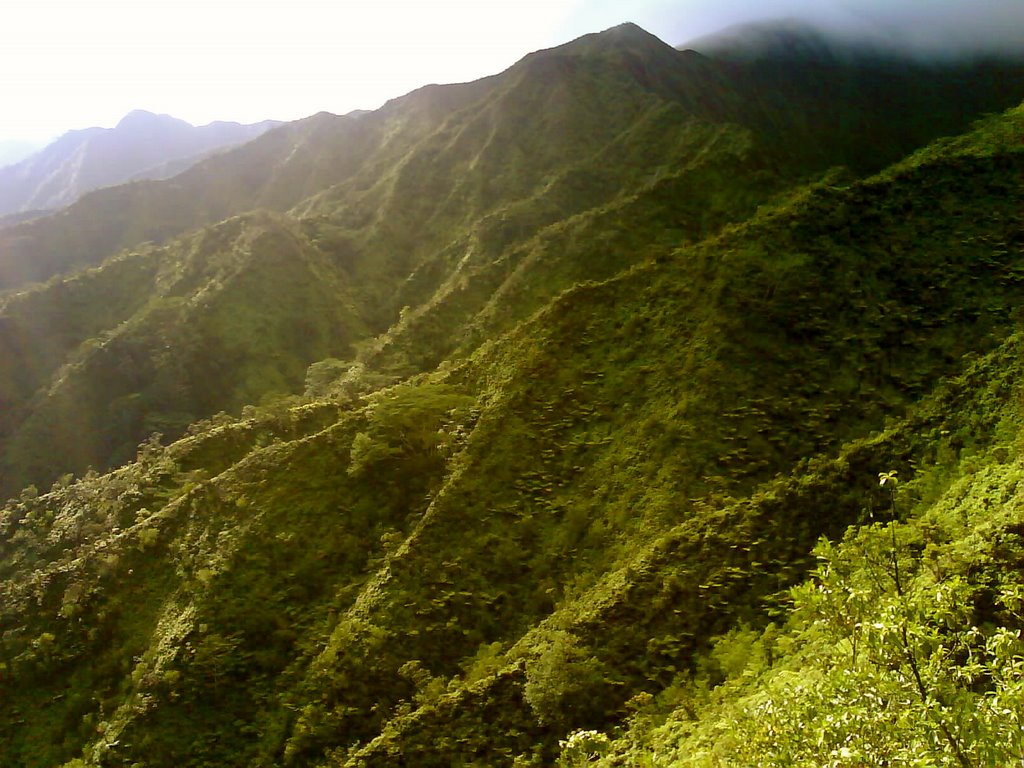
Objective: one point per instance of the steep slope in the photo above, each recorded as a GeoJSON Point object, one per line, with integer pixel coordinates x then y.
{"type": "Point", "coordinates": [469, 205]}
{"type": "Point", "coordinates": [904, 644]}
{"type": "Point", "coordinates": [140, 146]}
{"type": "Point", "coordinates": [596, 440]}
{"type": "Point", "coordinates": [467, 566]}
{"type": "Point", "coordinates": [163, 337]}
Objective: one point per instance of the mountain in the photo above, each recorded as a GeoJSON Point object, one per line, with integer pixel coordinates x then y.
{"type": "Point", "coordinates": [537, 420]}
{"type": "Point", "coordinates": [455, 211]}
{"type": "Point", "coordinates": [803, 119]}
{"type": "Point", "coordinates": [141, 146]}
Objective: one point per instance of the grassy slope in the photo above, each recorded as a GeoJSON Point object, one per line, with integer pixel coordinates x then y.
{"type": "Point", "coordinates": [467, 567]}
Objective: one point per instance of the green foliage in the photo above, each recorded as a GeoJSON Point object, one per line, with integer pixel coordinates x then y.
{"type": "Point", "coordinates": [582, 748]}
{"type": "Point", "coordinates": [560, 507]}
{"type": "Point", "coordinates": [564, 684]}
{"type": "Point", "coordinates": [406, 431]}
{"type": "Point", "coordinates": [897, 669]}
{"type": "Point", "coordinates": [903, 647]}
{"type": "Point", "coordinates": [211, 323]}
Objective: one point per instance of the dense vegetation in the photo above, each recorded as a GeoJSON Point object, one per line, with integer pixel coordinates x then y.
{"type": "Point", "coordinates": [638, 437]}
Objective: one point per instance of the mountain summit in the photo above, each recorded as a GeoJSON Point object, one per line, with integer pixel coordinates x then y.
{"type": "Point", "coordinates": [141, 119]}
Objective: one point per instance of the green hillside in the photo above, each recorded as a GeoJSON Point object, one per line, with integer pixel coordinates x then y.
{"type": "Point", "coordinates": [543, 423]}
{"type": "Point", "coordinates": [160, 338]}
{"type": "Point", "coordinates": [425, 228]}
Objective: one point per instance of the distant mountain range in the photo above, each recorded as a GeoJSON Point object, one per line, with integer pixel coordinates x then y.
{"type": "Point", "coordinates": [142, 146]}
{"type": "Point", "coordinates": [498, 427]}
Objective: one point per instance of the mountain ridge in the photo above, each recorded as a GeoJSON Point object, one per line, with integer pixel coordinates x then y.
{"type": "Point", "coordinates": [849, 131]}
{"type": "Point", "coordinates": [450, 201]}
{"type": "Point", "coordinates": [564, 539]}
{"type": "Point", "coordinates": [507, 425]}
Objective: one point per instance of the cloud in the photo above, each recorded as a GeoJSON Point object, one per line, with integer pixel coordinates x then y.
{"type": "Point", "coordinates": [924, 27]}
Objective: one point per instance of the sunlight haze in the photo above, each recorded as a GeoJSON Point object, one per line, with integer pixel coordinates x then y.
{"type": "Point", "coordinates": [68, 65]}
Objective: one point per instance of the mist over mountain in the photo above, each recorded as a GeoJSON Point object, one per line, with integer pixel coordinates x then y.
{"type": "Point", "coordinates": [793, 39]}
{"type": "Point", "coordinates": [920, 29]}
{"type": "Point", "coordinates": [801, 39]}
{"type": "Point", "coordinates": [142, 146]}
{"type": "Point", "coordinates": [12, 151]}
{"type": "Point", "coordinates": [633, 406]}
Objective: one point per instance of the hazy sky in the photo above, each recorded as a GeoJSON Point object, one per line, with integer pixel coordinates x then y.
{"type": "Point", "coordinates": [76, 63]}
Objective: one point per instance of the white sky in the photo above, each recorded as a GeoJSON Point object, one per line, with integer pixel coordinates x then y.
{"type": "Point", "coordinates": [76, 63]}
{"type": "Point", "coordinates": [68, 64]}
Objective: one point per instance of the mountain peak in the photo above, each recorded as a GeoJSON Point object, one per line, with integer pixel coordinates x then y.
{"type": "Point", "coordinates": [626, 30]}
{"type": "Point", "coordinates": [142, 118]}
{"type": "Point", "coordinates": [622, 37]}
{"type": "Point", "coordinates": [625, 35]}
{"type": "Point", "coordinates": [626, 45]}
